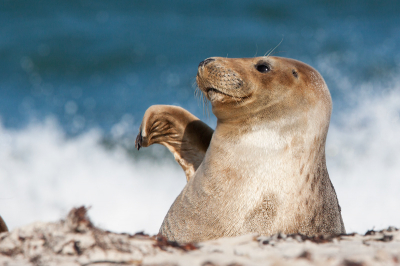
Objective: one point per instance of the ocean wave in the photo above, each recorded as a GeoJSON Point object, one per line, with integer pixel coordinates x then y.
{"type": "Point", "coordinates": [44, 172]}
{"type": "Point", "coordinates": [364, 161]}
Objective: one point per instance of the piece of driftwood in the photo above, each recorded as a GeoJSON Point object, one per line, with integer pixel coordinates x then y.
{"type": "Point", "coordinates": [3, 226]}
{"type": "Point", "coordinates": [75, 241]}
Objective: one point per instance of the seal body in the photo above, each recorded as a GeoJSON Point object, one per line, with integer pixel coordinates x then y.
{"type": "Point", "coordinates": [264, 170]}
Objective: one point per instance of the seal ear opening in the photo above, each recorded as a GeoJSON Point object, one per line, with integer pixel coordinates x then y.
{"type": "Point", "coordinates": [295, 74]}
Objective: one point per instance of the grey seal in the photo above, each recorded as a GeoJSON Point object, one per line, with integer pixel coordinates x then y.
{"type": "Point", "coordinates": [263, 169]}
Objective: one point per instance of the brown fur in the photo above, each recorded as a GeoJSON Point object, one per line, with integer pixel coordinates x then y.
{"type": "Point", "coordinates": [264, 169]}
{"type": "Point", "coordinates": [181, 132]}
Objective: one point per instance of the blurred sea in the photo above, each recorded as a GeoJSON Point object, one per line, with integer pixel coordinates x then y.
{"type": "Point", "coordinates": [77, 76]}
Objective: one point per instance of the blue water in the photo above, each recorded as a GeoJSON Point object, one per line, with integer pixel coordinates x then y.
{"type": "Point", "coordinates": [91, 62]}
{"type": "Point", "coordinates": [75, 75]}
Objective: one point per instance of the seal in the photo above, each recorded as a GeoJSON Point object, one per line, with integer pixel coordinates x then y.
{"type": "Point", "coordinates": [263, 170]}
{"type": "Point", "coordinates": [3, 226]}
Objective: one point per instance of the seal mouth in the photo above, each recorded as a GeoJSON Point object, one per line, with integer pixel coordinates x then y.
{"type": "Point", "coordinates": [214, 90]}
{"type": "Point", "coordinates": [215, 94]}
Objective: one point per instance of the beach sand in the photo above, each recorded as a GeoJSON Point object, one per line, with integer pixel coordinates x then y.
{"type": "Point", "coordinates": [75, 241]}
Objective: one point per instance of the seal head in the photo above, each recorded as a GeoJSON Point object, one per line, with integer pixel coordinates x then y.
{"type": "Point", "coordinates": [264, 88]}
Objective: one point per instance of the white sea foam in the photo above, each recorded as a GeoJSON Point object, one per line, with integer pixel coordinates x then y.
{"type": "Point", "coordinates": [43, 173]}
{"type": "Point", "coordinates": [363, 154]}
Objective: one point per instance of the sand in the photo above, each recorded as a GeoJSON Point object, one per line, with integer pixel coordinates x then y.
{"type": "Point", "coordinates": [75, 241]}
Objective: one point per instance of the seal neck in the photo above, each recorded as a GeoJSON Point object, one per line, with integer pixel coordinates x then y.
{"type": "Point", "coordinates": [275, 149]}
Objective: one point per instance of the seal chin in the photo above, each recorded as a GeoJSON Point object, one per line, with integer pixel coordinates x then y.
{"type": "Point", "coordinates": [215, 95]}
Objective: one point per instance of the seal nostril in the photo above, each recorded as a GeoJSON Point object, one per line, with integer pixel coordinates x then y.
{"type": "Point", "coordinates": [205, 62]}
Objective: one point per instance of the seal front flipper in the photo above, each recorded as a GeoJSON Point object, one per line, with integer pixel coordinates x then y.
{"type": "Point", "coordinates": [3, 226]}
{"type": "Point", "coordinates": [181, 132]}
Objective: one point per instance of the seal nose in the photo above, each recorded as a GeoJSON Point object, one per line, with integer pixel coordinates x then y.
{"type": "Point", "coordinates": [205, 62]}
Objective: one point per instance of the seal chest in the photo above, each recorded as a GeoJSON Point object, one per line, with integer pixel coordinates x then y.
{"type": "Point", "coordinates": [263, 169]}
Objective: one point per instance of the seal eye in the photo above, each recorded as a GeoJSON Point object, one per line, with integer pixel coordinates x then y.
{"type": "Point", "coordinates": [263, 68]}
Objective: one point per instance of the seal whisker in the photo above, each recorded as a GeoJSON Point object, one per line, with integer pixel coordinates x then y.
{"type": "Point", "coordinates": [274, 48]}
{"type": "Point", "coordinates": [202, 98]}
{"type": "Point", "coordinates": [256, 50]}
{"type": "Point", "coordinates": [206, 106]}
{"type": "Point", "coordinates": [267, 52]}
